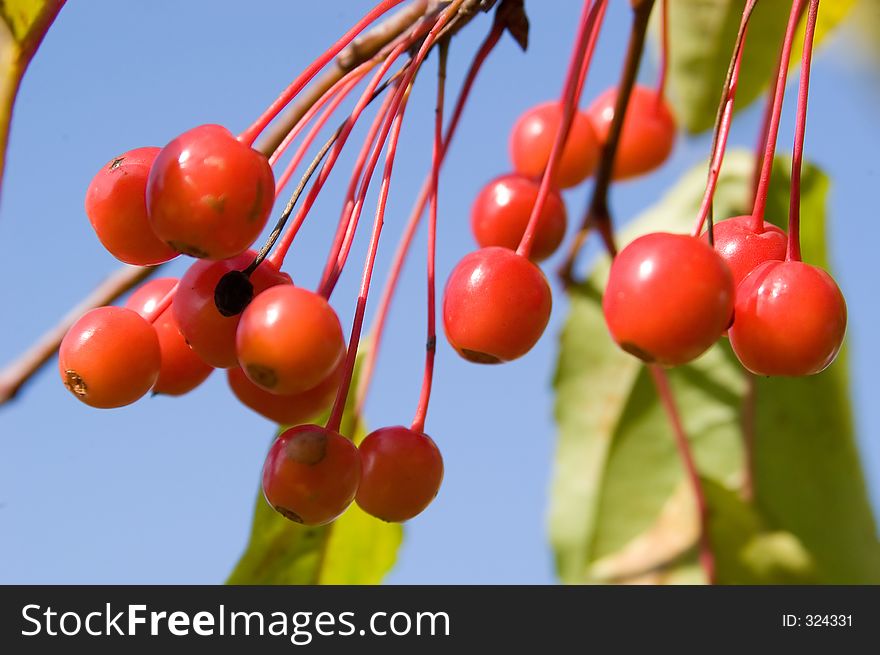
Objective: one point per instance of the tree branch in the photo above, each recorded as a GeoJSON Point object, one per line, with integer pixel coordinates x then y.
{"type": "Point", "coordinates": [14, 376]}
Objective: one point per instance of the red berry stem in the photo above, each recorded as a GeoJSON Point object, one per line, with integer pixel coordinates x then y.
{"type": "Point", "coordinates": [397, 111]}
{"type": "Point", "coordinates": [664, 51]}
{"type": "Point", "coordinates": [667, 399]}
{"type": "Point", "coordinates": [378, 328]}
{"type": "Point", "coordinates": [800, 128]}
{"type": "Point", "coordinates": [418, 424]}
{"type": "Point", "coordinates": [765, 126]}
{"type": "Point", "coordinates": [574, 79]}
{"type": "Point", "coordinates": [722, 122]}
{"type": "Point", "coordinates": [336, 94]}
{"type": "Point", "coordinates": [598, 214]}
{"type": "Point", "coordinates": [354, 200]}
{"type": "Point", "coordinates": [284, 244]}
{"type": "Point", "coordinates": [775, 115]}
{"type": "Point", "coordinates": [250, 134]}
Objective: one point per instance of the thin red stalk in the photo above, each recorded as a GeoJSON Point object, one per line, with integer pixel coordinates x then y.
{"type": "Point", "coordinates": [398, 109]}
{"type": "Point", "coordinates": [378, 328]}
{"type": "Point", "coordinates": [277, 257]}
{"type": "Point", "coordinates": [765, 127]}
{"type": "Point", "coordinates": [344, 84]}
{"type": "Point", "coordinates": [348, 220]}
{"type": "Point", "coordinates": [418, 424]}
{"type": "Point", "coordinates": [667, 399]}
{"type": "Point", "coordinates": [357, 207]}
{"type": "Point", "coordinates": [250, 134]}
{"type": "Point", "coordinates": [749, 426]}
{"type": "Point", "coordinates": [776, 113]}
{"type": "Point", "coordinates": [569, 101]}
{"type": "Point", "coordinates": [309, 139]}
{"type": "Point", "coordinates": [800, 129]}
{"type": "Point", "coordinates": [664, 51]}
{"type": "Point", "coordinates": [723, 130]}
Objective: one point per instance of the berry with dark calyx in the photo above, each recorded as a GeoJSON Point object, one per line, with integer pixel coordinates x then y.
{"type": "Point", "coordinates": [208, 332]}
{"type": "Point", "coordinates": [790, 319]}
{"type": "Point", "coordinates": [401, 473]}
{"type": "Point", "coordinates": [648, 133]}
{"type": "Point", "coordinates": [311, 474]}
{"type": "Point", "coordinates": [531, 142]}
{"type": "Point", "coordinates": [502, 209]}
{"type": "Point", "coordinates": [743, 249]}
{"type": "Point", "coordinates": [668, 298]}
{"type": "Point", "coordinates": [289, 340]}
{"type": "Point", "coordinates": [291, 409]}
{"type": "Point", "coordinates": [110, 357]}
{"type": "Point", "coordinates": [182, 370]}
{"type": "Point", "coordinates": [495, 306]}
{"type": "Point", "coordinates": [208, 194]}
{"type": "Point", "coordinates": [116, 205]}
{"type": "Point", "coordinates": [233, 293]}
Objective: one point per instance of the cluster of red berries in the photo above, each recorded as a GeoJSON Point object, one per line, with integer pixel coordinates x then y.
{"type": "Point", "coordinates": [671, 296]}
{"type": "Point", "coordinates": [209, 195]}
{"type": "Point", "coordinates": [497, 302]}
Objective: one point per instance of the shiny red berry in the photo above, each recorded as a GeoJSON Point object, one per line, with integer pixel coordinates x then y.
{"type": "Point", "coordinates": [496, 306]}
{"type": "Point", "coordinates": [648, 134]}
{"type": "Point", "coordinates": [110, 357]}
{"type": "Point", "coordinates": [743, 249]}
{"type": "Point", "coordinates": [116, 205]}
{"type": "Point", "coordinates": [208, 332]}
{"type": "Point", "coordinates": [208, 194]}
{"type": "Point", "coordinates": [668, 298]}
{"type": "Point", "coordinates": [502, 209]}
{"type": "Point", "coordinates": [182, 370]}
{"type": "Point", "coordinates": [401, 472]}
{"type": "Point", "coordinates": [291, 409]}
{"type": "Point", "coordinates": [531, 142]}
{"type": "Point", "coordinates": [311, 474]}
{"type": "Point", "coordinates": [289, 340]}
{"type": "Point", "coordinates": [790, 319]}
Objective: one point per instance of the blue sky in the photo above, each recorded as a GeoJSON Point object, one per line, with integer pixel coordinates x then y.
{"type": "Point", "coordinates": [162, 491]}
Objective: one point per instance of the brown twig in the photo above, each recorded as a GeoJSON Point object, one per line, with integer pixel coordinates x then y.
{"type": "Point", "coordinates": [598, 215]}
{"type": "Point", "coordinates": [14, 376]}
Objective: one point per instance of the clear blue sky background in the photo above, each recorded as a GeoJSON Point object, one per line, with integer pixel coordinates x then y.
{"type": "Point", "coordinates": [162, 491]}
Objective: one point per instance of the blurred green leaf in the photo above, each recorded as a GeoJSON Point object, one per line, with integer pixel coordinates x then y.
{"type": "Point", "coordinates": [702, 36]}
{"type": "Point", "coordinates": [354, 549]}
{"type": "Point", "coordinates": [621, 509]}
{"type": "Point", "coordinates": [23, 23]}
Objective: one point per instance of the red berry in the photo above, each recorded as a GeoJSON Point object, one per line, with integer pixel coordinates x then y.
{"type": "Point", "coordinates": [669, 297]}
{"type": "Point", "coordinates": [182, 370]}
{"type": "Point", "coordinates": [208, 332]}
{"type": "Point", "coordinates": [116, 205]}
{"type": "Point", "coordinates": [502, 209]}
{"type": "Point", "coordinates": [209, 195]}
{"type": "Point", "coordinates": [790, 319]}
{"type": "Point", "coordinates": [496, 306]}
{"type": "Point", "coordinates": [401, 472]}
{"type": "Point", "coordinates": [648, 130]}
{"type": "Point", "coordinates": [289, 340]}
{"type": "Point", "coordinates": [743, 249]}
{"type": "Point", "coordinates": [311, 474]}
{"type": "Point", "coordinates": [531, 142]}
{"type": "Point", "coordinates": [109, 357]}
{"type": "Point", "coordinates": [292, 409]}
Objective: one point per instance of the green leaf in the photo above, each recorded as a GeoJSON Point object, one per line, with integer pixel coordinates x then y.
{"type": "Point", "coordinates": [621, 509]}
{"type": "Point", "coordinates": [354, 549]}
{"type": "Point", "coordinates": [702, 35]}
{"type": "Point", "coordinates": [23, 23]}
